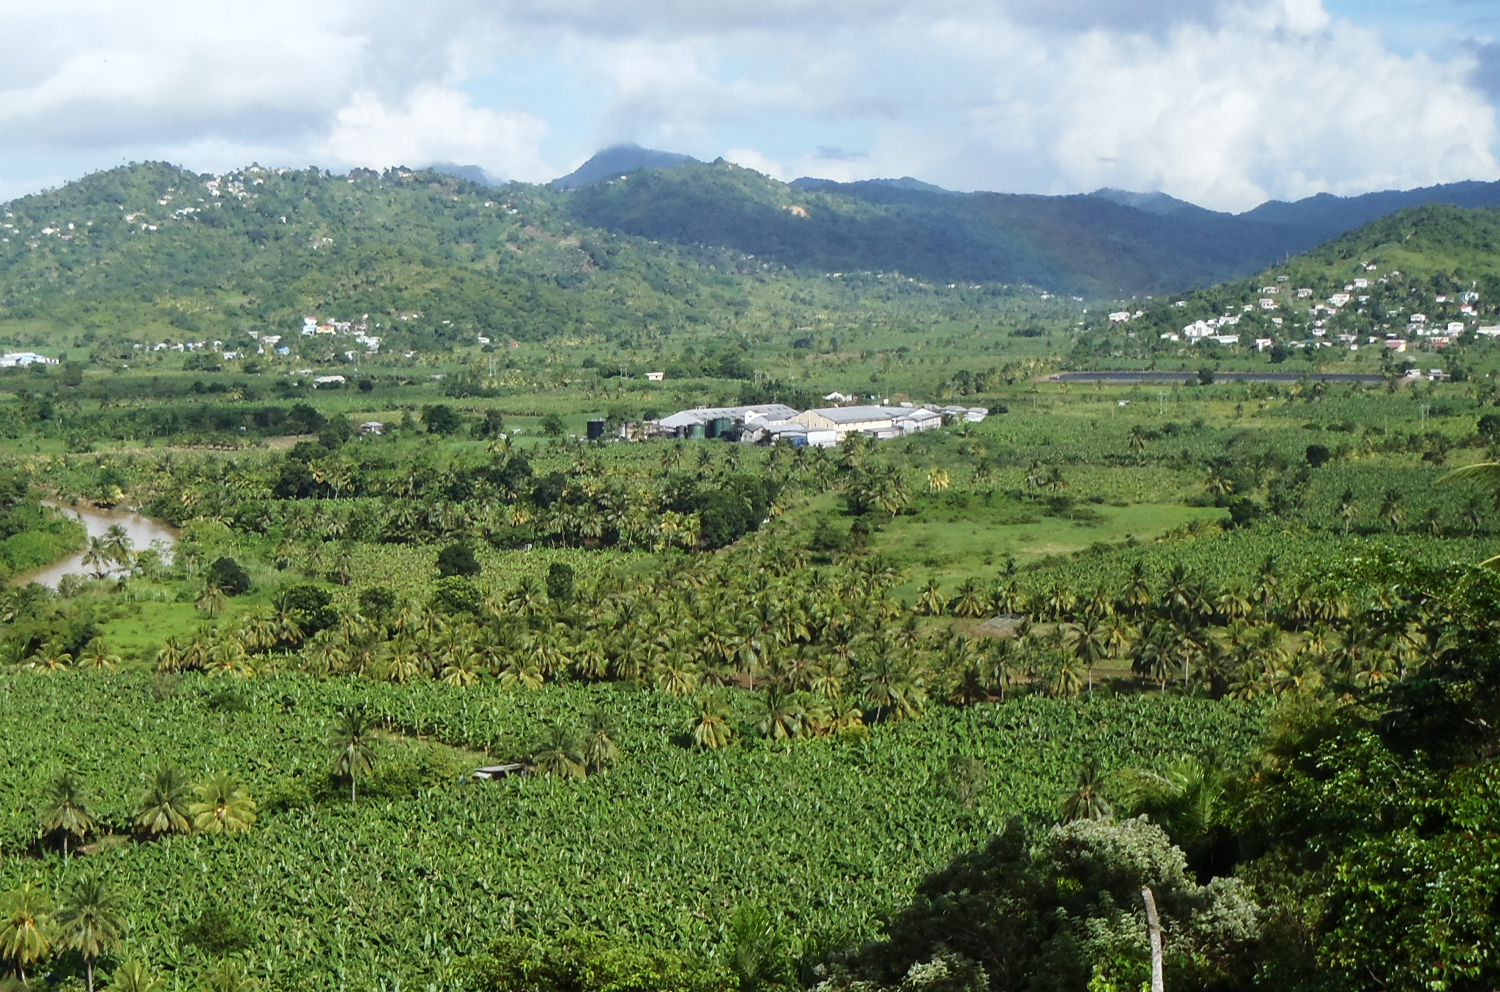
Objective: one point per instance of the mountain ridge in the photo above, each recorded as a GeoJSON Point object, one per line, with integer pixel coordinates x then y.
{"type": "Point", "coordinates": [531, 246]}
{"type": "Point", "coordinates": [617, 160]}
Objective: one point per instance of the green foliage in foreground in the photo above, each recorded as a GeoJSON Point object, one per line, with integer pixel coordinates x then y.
{"type": "Point", "coordinates": [31, 535]}
{"type": "Point", "coordinates": [1065, 910]}
{"type": "Point", "coordinates": [660, 850]}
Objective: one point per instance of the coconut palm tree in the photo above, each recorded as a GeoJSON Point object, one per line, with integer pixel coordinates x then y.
{"type": "Point", "coordinates": [1185, 798]}
{"type": "Point", "coordinates": [170, 657]}
{"type": "Point", "coordinates": [211, 600]}
{"type": "Point", "coordinates": [1090, 645]}
{"type": "Point", "coordinates": [66, 812]}
{"type": "Point", "coordinates": [1219, 483]}
{"type": "Point", "coordinates": [969, 601]}
{"type": "Point", "coordinates": [559, 754]}
{"type": "Point", "coordinates": [25, 927]}
{"type": "Point", "coordinates": [350, 743]}
{"type": "Point", "coordinates": [223, 806]}
{"type": "Point", "coordinates": [781, 713]}
{"type": "Point", "coordinates": [931, 600]}
{"type": "Point", "coordinates": [98, 656]}
{"type": "Point", "coordinates": [711, 727]}
{"type": "Point", "coordinates": [164, 805]}
{"type": "Point", "coordinates": [1393, 509]}
{"type": "Point", "coordinates": [96, 556]}
{"type": "Point", "coordinates": [1086, 801]}
{"type": "Point", "coordinates": [599, 749]}
{"type": "Point", "coordinates": [117, 542]}
{"type": "Point", "coordinates": [50, 657]}
{"type": "Point", "coordinates": [90, 923]}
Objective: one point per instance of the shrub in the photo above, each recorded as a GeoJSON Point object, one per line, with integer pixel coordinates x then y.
{"type": "Point", "coordinates": [229, 577]}
{"type": "Point", "coordinates": [457, 559]}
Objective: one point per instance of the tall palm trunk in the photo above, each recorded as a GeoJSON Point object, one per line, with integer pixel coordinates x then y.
{"type": "Point", "coordinates": [1153, 925]}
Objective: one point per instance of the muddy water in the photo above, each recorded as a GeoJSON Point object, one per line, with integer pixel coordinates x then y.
{"type": "Point", "coordinates": [141, 530]}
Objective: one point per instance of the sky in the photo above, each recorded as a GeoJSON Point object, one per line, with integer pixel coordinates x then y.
{"type": "Point", "coordinates": [1225, 103]}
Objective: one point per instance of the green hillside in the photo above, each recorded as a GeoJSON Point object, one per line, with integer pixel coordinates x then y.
{"type": "Point", "coordinates": [155, 252]}
{"type": "Point", "coordinates": [1406, 276]}
{"type": "Point", "coordinates": [1075, 244]}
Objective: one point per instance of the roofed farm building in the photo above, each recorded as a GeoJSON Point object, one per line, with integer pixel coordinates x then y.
{"type": "Point", "coordinates": [715, 421]}
{"type": "Point", "coordinates": [774, 422]}
{"type": "Point", "coordinates": [845, 419]}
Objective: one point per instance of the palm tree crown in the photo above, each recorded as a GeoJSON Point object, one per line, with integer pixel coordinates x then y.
{"type": "Point", "coordinates": [223, 806]}
{"type": "Point", "coordinates": [25, 927]}
{"type": "Point", "coordinates": [164, 806]}
{"type": "Point", "coordinates": [67, 811]}
{"type": "Point", "coordinates": [90, 923]}
{"type": "Point", "coordinates": [352, 754]}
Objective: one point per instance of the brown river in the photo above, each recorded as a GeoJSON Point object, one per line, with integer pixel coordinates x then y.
{"type": "Point", "coordinates": [143, 532]}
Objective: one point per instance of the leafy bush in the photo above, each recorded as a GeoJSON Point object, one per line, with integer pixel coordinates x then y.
{"type": "Point", "coordinates": [311, 605]}
{"type": "Point", "coordinates": [457, 559]}
{"type": "Point", "coordinates": [456, 594]}
{"type": "Point", "coordinates": [228, 576]}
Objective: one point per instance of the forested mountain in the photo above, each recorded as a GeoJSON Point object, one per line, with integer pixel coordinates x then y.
{"type": "Point", "coordinates": [430, 257]}
{"type": "Point", "coordinates": [1076, 244]}
{"type": "Point", "coordinates": [433, 256]}
{"type": "Point", "coordinates": [618, 160]}
{"type": "Point", "coordinates": [1324, 216]}
{"type": "Point", "coordinates": [1108, 243]}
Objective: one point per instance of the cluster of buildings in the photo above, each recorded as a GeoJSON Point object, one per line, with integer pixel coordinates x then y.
{"type": "Point", "coordinates": [1313, 317]}
{"type": "Point", "coordinates": [17, 359]}
{"type": "Point", "coordinates": [359, 329]}
{"type": "Point", "coordinates": [772, 423]}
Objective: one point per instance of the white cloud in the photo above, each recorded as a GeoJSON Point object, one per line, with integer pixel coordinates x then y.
{"type": "Point", "coordinates": [749, 158]}
{"type": "Point", "coordinates": [1274, 101]}
{"type": "Point", "coordinates": [1220, 101]}
{"type": "Point", "coordinates": [1270, 99]}
{"type": "Point", "coordinates": [436, 124]}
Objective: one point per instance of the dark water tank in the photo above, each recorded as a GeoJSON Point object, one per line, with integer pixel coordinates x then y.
{"type": "Point", "coordinates": [595, 429]}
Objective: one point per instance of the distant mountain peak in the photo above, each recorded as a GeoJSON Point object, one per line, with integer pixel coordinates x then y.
{"type": "Point", "coordinates": [1157, 203]}
{"type": "Point", "coordinates": [618, 160]}
{"type": "Point", "coordinates": [907, 183]}
{"type": "Point", "coordinates": [473, 173]}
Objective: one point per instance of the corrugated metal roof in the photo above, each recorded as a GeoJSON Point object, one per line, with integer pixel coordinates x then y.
{"type": "Point", "coordinates": [770, 412]}
{"type": "Point", "coordinates": [857, 414]}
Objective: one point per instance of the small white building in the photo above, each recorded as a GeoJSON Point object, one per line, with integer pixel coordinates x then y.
{"type": "Point", "coordinates": [15, 359]}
